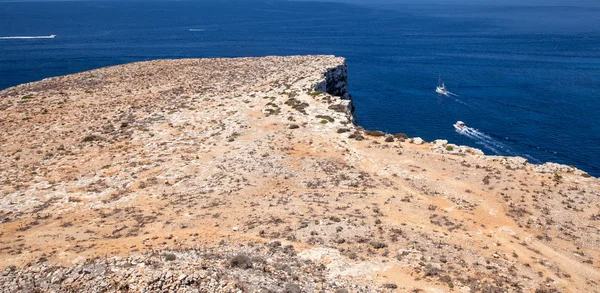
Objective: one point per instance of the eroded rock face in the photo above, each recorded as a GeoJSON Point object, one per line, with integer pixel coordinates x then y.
{"type": "Point", "coordinates": [153, 176]}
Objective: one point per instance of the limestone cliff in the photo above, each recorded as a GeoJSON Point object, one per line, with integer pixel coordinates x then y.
{"type": "Point", "coordinates": [249, 175]}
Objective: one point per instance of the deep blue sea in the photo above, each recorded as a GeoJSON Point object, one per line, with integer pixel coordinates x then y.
{"type": "Point", "coordinates": [526, 78]}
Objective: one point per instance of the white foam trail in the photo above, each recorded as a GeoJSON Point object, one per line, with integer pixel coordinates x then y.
{"type": "Point", "coordinates": [197, 30]}
{"type": "Point", "coordinates": [28, 37]}
{"type": "Point", "coordinates": [478, 141]}
{"type": "Point", "coordinates": [460, 102]}
{"type": "Point", "coordinates": [485, 140]}
{"type": "Point", "coordinates": [453, 94]}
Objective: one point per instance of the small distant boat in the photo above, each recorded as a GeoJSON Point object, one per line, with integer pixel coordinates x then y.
{"type": "Point", "coordinates": [460, 126]}
{"type": "Point", "coordinates": [441, 87]}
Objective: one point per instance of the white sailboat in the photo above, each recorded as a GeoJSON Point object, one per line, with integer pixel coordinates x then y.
{"type": "Point", "coordinates": [441, 87]}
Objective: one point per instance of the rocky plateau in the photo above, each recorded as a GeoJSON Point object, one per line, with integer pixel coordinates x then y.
{"type": "Point", "coordinates": [250, 175]}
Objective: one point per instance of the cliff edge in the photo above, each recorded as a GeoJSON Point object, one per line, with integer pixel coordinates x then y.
{"type": "Point", "coordinates": [249, 175]}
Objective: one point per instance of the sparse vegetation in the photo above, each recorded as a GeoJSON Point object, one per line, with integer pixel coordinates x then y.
{"type": "Point", "coordinates": [90, 138]}
{"type": "Point", "coordinates": [374, 133]}
{"type": "Point", "coordinates": [338, 108]}
{"type": "Point", "coordinates": [324, 117]}
{"type": "Point", "coordinates": [378, 245]}
{"type": "Point", "coordinates": [241, 261]}
{"type": "Point", "coordinates": [297, 105]}
{"type": "Point", "coordinates": [170, 256]}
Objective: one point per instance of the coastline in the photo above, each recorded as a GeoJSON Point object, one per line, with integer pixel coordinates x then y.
{"type": "Point", "coordinates": [208, 163]}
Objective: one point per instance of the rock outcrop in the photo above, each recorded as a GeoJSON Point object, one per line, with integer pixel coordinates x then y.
{"type": "Point", "coordinates": [249, 175]}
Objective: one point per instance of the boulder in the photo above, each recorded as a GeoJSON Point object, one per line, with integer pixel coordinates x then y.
{"type": "Point", "coordinates": [417, 140]}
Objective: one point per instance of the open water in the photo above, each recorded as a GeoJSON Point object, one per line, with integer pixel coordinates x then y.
{"type": "Point", "coordinates": [526, 77]}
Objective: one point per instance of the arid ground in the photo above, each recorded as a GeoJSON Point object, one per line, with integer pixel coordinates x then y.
{"type": "Point", "coordinates": [249, 175]}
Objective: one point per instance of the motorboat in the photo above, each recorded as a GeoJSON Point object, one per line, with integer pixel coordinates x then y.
{"type": "Point", "coordinates": [460, 126]}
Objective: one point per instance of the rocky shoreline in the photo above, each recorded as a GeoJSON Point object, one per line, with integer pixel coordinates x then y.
{"type": "Point", "coordinates": [249, 175]}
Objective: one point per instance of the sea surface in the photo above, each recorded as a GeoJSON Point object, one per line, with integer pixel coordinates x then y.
{"type": "Point", "coordinates": [525, 79]}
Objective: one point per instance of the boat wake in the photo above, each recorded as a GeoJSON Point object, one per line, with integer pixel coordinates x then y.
{"type": "Point", "coordinates": [485, 140]}
{"type": "Point", "coordinates": [197, 30]}
{"type": "Point", "coordinates": [494, 143]}
{"type": "Point", "coordinates": [28, 37]}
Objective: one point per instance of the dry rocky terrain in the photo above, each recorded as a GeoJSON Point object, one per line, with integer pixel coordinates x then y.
{"type": "Point", "coordinates": [249, 175]}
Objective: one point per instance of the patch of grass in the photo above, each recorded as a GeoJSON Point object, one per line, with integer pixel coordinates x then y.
{"type": "Point", "coordinates": [316, 93]}
{"type": "Point", "coordinates": [586, 175]}
{"type": "Point", "coordinates": [27, 97]}
{"type": "Point", "coordinates": [342, 130]}
{"type": "Point", "coordinates": [324, 121]}
{"type": "Point", "coordinates": [449, 148]}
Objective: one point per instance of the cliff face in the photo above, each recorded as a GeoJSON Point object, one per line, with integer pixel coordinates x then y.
{"type": "Point", "coordinates": [220, 175]}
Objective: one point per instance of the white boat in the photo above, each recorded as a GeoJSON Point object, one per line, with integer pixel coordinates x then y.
{"type": "Point", "coordinates": [460, 126]}
{"type": "Point", "coordinates": [441, 87]}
